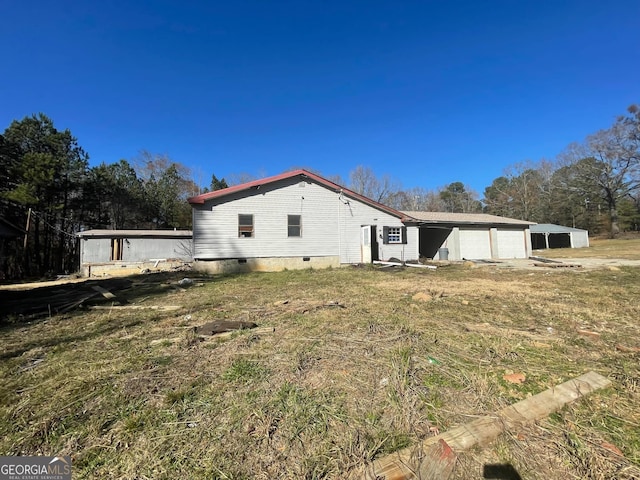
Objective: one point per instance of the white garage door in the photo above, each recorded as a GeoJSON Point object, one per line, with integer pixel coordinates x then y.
{"type": "Point", "coordinates": [475, 244]}
{"type": "Point", "coordinates": [511, 244]}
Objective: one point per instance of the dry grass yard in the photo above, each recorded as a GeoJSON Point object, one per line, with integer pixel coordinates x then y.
{"type": "Point", "coordinates": [346, 366]}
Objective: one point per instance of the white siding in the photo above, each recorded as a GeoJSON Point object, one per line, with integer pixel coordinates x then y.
{"type": "Point", "coordinates": [475, 243]}
{"type": "Point", "coordinates": [140, 249]}
{"type": "Point", "coordinates": [511, 243]}
{"type": "Point", "coordinates": [330, 224]}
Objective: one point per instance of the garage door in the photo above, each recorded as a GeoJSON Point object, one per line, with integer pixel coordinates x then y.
{"type": "Point", "coordinates": [475, 244]}
{"type": "Point", "coordinates": [511, 244]}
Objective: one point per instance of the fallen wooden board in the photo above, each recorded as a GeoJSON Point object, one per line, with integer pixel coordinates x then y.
{"type": "Point", "coordinates": [400, 264]}
{"type": "Point", "coordinates": [557, 265]}
{"type": "Point", "coordinates": [163, 308]}
{"type": "Point", "coordinates": [544, 260]}
{"type": "Point", "coordinates": [105, 293]}
{"type": "Point", "coordinates": [401, 465]}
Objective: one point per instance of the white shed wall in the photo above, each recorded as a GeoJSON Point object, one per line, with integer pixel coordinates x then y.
{"type": "Point", "coordinates": [579, 239]}
{"type": "Point", "coordinates": [135, 249]}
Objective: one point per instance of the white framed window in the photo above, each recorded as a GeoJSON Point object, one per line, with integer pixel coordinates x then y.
{"type": "Point", "coordinates": [294, 225]}
{"type": "Point", "coordinates": [392, 235]}
{"type": "Point", "coordinates": [245, 226]}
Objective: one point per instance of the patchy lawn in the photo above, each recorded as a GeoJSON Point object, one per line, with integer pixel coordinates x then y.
{"type": "Point", "coordinates": [347, 365]}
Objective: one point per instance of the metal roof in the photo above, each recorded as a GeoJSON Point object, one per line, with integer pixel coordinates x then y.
{"type": "Point", "coordinates": [137, 233]}
{"type": "Point", "coordinates": [551, 228]}
{"type": "Point", "coordinates": [464, 218]}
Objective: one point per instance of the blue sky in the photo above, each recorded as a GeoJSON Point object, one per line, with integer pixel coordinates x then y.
{"type": "Point", "coordinates": [429, 92]}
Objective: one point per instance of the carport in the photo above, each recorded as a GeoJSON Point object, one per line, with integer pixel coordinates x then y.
{"type": "Point", "coordinates": [547, 235]}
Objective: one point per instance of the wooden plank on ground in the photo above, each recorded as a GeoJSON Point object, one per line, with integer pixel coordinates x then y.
{"type": "Point", "coordinates": [162, 308]}
{"type": "Point", "coordinates": [105, 293]}
{"type": "Point", "coordinates": [402, 465]}
{"type": "Point", "coordinates": [557, 265]}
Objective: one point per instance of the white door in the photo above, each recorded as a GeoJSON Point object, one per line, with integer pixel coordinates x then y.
{"type": "Point", "coordinates": [365, 243]}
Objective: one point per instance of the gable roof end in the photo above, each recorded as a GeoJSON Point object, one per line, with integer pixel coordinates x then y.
{"type": "Point", "coordinates": [201, 199]}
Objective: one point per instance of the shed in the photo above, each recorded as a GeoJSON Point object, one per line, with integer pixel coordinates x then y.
{"type": "Point", "coordinates": [128, 251]}
{"type": "Point", "coordinates": [474, 236]}
{"type": "Point", "coordinates": [547, 235]}
{"type": "Point", "coordinates": [294, 220]}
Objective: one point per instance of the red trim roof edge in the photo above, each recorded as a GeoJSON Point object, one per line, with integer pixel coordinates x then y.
{"type": "Point", "coordinates": [200, 199]}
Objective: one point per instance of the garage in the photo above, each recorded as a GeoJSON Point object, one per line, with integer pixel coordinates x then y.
{"type": "Point", "coordinates": [473, 236]}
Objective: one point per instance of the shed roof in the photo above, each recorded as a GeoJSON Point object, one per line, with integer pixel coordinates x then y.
{"type": "Point", "coordinates": [551, 228]}
{"type": "Point", "coordinates": [136, 233]}
{"type": "Point", "coordinates": [464, 218]}
{"type": "Point", "coordinates": [303, 174]}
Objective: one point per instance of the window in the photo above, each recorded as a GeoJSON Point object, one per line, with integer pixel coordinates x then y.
{"type": "Point", "coordinates": [394, 234]}
{"type": "Point", "coordinates": [294, 225]}
{"type": "Point", "coordinates": [245, 225]}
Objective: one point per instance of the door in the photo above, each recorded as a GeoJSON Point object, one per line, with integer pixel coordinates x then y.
{"type": "Point", "coordinates": [368, 244]}
{"type": "Point", "coordinates": [365, 244]}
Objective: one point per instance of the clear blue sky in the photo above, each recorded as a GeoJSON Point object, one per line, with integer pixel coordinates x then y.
{"type": "Point", "coordinates": [430, 92]}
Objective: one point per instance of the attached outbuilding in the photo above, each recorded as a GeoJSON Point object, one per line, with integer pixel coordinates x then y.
{"type": "Point", "coordinates": [294, 220]}
{"type": "Point", "coordinates": [473, 236]}
{"type": "Point", "coordinates": [547, 235]}
{"type": "Point", "coordinates": [130, 251]}
{"type": "Point", "coordinates": [299, 220]}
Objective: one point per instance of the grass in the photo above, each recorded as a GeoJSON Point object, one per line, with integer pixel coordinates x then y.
{"type": "Point", "coordinates": [320, 390]}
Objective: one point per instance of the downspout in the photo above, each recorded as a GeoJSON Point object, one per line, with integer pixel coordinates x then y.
{"type": "Point", "coordinates": [339, 232]}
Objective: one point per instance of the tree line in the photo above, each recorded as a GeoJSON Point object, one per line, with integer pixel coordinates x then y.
{"type": "Point", "coordinates": [48, 189]}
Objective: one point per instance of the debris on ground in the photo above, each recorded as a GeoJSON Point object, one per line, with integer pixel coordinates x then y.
{"type": "Point", "coordinates": [514, 377]}
{"type": "Point", "coordinates": [57, 299]}
{"type": "Point", "coordinates": [556, 264]}
{"type": "Point", "coordinates": [222, 326]}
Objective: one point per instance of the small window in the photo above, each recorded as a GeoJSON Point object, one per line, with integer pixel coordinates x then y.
{"type": "Point", "coordinates": [245, 225]}
{"type": "Point", "coordinates": [394, 234]}
{"type": "Point", "coordinates": [294, 225]}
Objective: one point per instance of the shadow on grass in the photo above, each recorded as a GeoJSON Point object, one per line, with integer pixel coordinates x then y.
{"type": "Point", "coordinates": [20, 307]}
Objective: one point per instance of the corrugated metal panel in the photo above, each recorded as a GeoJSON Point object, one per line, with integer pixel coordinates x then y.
{"type": "Point", "coordinates": [551, 228]}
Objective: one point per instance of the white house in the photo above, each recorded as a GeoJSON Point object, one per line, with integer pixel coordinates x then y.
{"type": "Point", "coordinates": [299, 219]}
{"type": "Point", "coordinates": [294, 220]}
